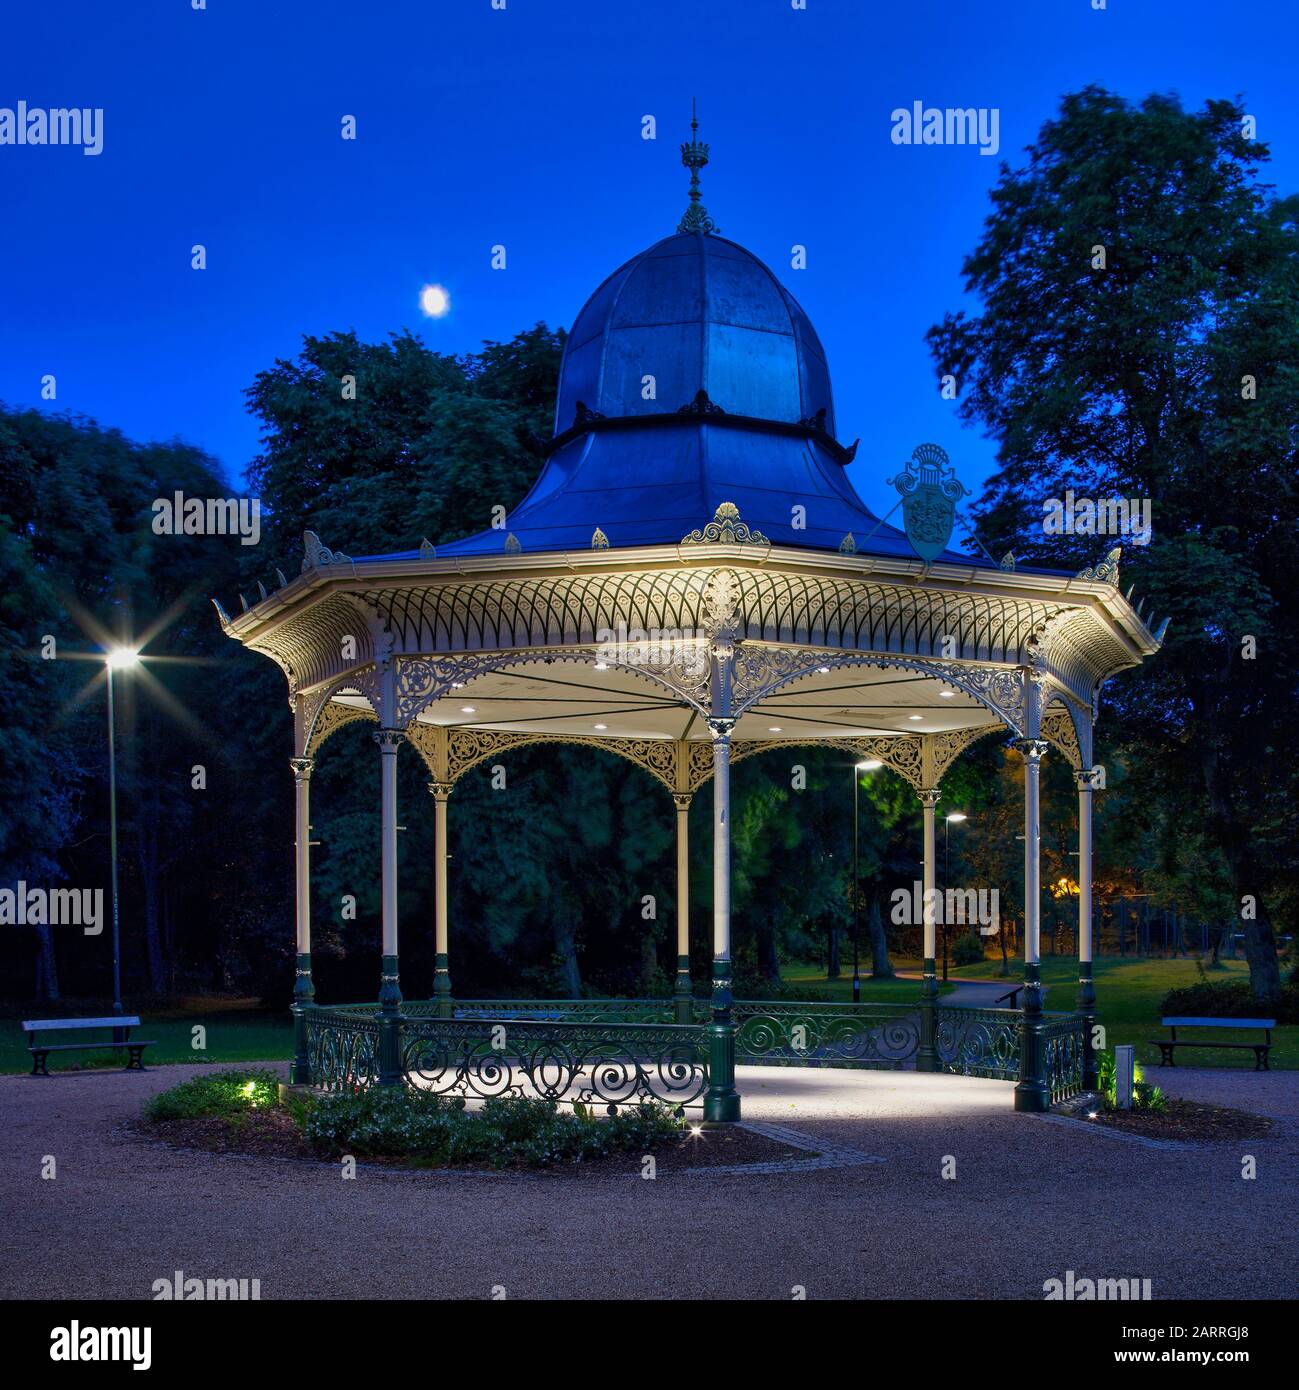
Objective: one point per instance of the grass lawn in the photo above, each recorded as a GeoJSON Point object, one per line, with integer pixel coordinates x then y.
{"type": "Point", "coordinates": [1128, 996]}
{"type": "Point", "coordinates": [872, 991]}
{"type": "Point", "coordinates": [237, 1031]}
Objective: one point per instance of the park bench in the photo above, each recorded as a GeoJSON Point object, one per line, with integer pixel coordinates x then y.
{"type": "Point", "coordinates": [37, 1029]}
{"type": "Point", "coordinates": [1260, 1050]}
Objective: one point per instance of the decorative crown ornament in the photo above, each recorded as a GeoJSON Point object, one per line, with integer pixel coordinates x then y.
{"type": "Point", "coordinates": [694, 156]}
{"type": "Point", "coordinates": [599, 541]}
{"type": "Point", "coordinates": [726, 528]}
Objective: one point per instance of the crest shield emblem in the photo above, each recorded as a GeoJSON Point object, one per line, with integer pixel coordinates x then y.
{"type": "Point", "coordinates": [930, 490]}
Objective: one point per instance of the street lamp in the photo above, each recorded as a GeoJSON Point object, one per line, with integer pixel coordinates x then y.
{"type": "Point", "coordinates": [869, 766]}
{"type": "Point", "coordinates": [957, 816]}
{"type": "Point", "coordinates": [115, 659]}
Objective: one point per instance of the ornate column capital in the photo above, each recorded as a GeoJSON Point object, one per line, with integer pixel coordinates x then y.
{"type": "Point", "coordinates": [1089, 779]}
{"type": "Point", "coordinates": [930, 796]}
{"type": "Point", "coordinates": [1033, 750]}
{"type": "Point", "coordinates": [389, 740]}
{"type": "Point", "coordinates": [721, 729]}
{"type": "Point", "coordinates": [682, 800]}
{"type": "Point", "coordinates": [302, 768]}
{"type": "Point", "coordinates": [441, 790]}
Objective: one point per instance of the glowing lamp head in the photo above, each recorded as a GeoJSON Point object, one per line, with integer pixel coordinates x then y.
{"type": "Point", "coordinates": [434, 301]}
{"type": "Point", "coordinates": [122, 658]}
{"type": "Point", "coordinates": [957, 815]}
{"type": "Point", "coordinates": [870, 765]}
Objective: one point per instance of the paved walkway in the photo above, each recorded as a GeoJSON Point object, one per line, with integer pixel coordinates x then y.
{"type": "Point", "coordinates": [1032, 1198]}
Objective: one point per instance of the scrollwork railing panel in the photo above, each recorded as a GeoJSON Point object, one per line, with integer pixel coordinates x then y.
{"type": "Point", "coordinates": [979, 1042]}
{"type": "Point", "coordinates": [342, 1048]}
{"type": "Point", "coordinates": [1063, 1041]}
{"type": "Point", "coordinates": [592, 1063]}
{"type": "Point", "coordinates": [815, 1034]}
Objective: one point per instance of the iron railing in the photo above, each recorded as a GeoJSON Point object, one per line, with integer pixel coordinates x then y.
{"type": "Point", "coordinates": [1064, 1038]}
{"type": "Point", "coordinates": [799, 1033]}
{"type": "Point", "coordinates": [979, 1042]}
{"type": "Point", "coordinates": [617, 1052]}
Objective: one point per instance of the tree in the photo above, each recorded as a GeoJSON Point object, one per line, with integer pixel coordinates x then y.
{"type": "Point", "coordinates": [1139, 337]}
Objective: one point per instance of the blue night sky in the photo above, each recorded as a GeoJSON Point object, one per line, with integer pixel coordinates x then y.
{"type": "Point", "coordinates": [523, 126]}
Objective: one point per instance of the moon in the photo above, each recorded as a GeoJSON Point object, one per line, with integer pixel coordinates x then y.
{"type": "Point", "coordinates": [434, 301]}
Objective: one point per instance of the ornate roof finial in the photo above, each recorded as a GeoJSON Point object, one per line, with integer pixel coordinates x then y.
{"type": "Point", "coordinates": [694, 156]}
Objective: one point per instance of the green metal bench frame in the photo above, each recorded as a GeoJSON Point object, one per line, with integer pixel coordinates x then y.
{"type": "Point", "coordinates": [1167, 1046]}
{"type": "Point", "coordinates": [121, 1023]}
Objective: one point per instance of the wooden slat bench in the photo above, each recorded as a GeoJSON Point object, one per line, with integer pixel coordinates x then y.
{"type": "Point", "coordinates": [38, 1028]}
{"type": "Point", "coordinates": [1167, 1046]}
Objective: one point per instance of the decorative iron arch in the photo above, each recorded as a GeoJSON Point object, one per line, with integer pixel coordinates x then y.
{"type": "Point", "coordinates": [760, 672]}
{"type": "Point", "coordinates": [423, 680]}
{"type": "Point", "coordinates": [467, 748]}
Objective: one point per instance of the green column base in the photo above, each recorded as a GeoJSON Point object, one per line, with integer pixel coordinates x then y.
{"type": "Point", "coordinates": [683, 992]}
{"type": "Point", "coordinates": [927, 1050]}
{"type": "Point", "coordinates": [1032, 1094]}
{"type": "Point", "coordinates": [442, 986]}
{"type": "Point", "coordinates": [722, 1100]}
{"type": "Point", "coordinates": [1091, 1078]}
{"type": "Point", "coordinates": [390, 1068]}
{"type": "Point", "coordinates": [304, 998]}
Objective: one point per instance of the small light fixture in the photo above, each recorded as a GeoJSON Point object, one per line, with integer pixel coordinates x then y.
{"type": "Point", "coordinates": [869, 765]}
{"type": "Point", "coordinates": [696, 1130]}
{"type": "Point", "coordinates": [468, 709]}
{"type": "Point", "coordinates": [601, 727]}
{"type": "Point", "coordinates": [957, 815]}
{"type": "Point", "coordinates": [601, 665]}
{"type": "Point", "coordinates": [774, 729]}
{"type": "Point", "coordinates": [947, 694]}
{"type": "Point", "coordinates": [824, 670]}
{"type": "Point", "coordinates": [122, 658]}
{"type": "Point", "coordinates": [915, 718]}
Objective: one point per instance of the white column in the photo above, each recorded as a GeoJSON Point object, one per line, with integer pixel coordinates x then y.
{"type": "Point", "coordinates": [389, 741]}
{"type": "Point", "coordinates": [1085, 782]}
{"type": "Point", "coordinates": [302, 768]}
{"type": "Point", "coordinates": [441, 968]}
{"type": "Point", "coordinates": [928, 906]}
{"type": "Point", "coordinates": [721, 729]}
{"type": "Point", "coordinates": [1033, 750]}
{"type": "Point", "coordinates": [683, 877]}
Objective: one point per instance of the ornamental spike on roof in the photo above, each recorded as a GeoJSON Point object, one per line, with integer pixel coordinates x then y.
{"type": "Point", "coordinates": [694, 156]}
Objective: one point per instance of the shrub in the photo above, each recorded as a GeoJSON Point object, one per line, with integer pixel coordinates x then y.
{"type": "Point", "coordinates": [228, 1093]}
{"type": "Point", "coordinates": [1144, 1095]}
{"type": "Point", "coordinates": [1229, 999]}
{"type": "Point", "coordinates": [968, 949]}
{"type": "Point", "coordinates": [385, 1122]}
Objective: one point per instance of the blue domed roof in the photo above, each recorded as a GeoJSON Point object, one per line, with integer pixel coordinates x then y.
{"type": "Point", "coordinates": [697, 313]}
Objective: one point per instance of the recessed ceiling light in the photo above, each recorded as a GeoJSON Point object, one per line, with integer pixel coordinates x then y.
{"type": "Point", "coordinates": [947, 694]}
{"type": "Point", "coordinates": [915, 718]}
{"type": "Point", "coordinates": [467, 709]}
{"type": "Point", "coordinates": [601, 726]}
{"type": "Point", "coordinates": [601, 665]}
{"type": "Point", "coordinates": [775, 729]}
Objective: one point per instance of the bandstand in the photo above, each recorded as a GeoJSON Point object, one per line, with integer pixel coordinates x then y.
{"type": "Point", "coordinates": [693, 580]}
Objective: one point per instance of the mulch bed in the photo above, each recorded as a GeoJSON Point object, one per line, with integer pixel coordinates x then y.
{"type": "Point", "coordinates": [273, 1134]}
{"type": "Point", "coordinates": [1188, 1121]}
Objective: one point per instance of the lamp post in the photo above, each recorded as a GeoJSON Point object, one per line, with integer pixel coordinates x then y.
{"type": "Point", "coordinates": [115, 659]}
{"type": "Point", "coordinates": [957, 816]}
{"type": "Point", "coordinates": [858, 769]}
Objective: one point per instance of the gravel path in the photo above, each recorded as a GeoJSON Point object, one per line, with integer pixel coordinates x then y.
{"type": "Point", "coordinates": [1031, 1200]}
